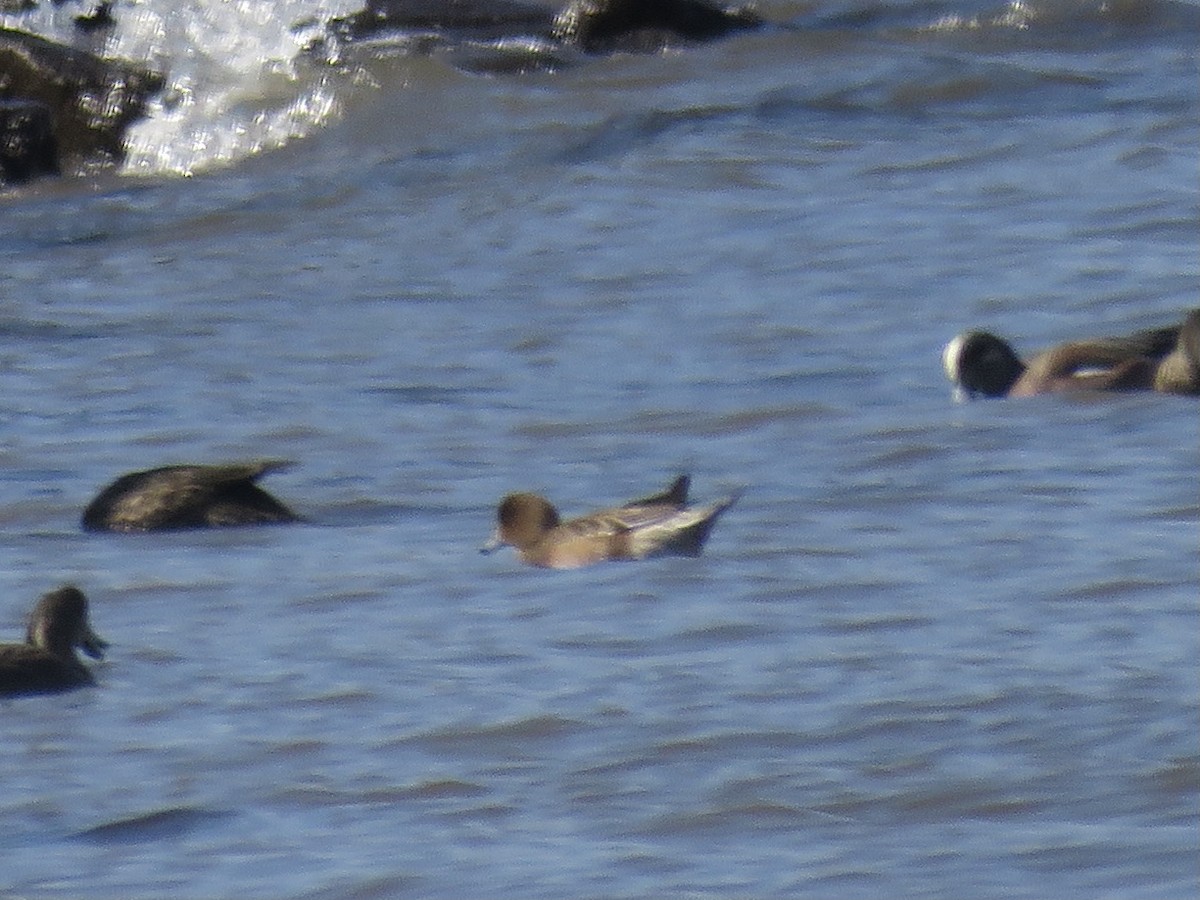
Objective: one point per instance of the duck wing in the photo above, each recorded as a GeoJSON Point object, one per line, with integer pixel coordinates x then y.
{"type": "Point", "coordinates": [620, 520]}
{"type": "Point", "coordinates": [31, 670]}
{"type": "Point", "coordinates": [682, 532]}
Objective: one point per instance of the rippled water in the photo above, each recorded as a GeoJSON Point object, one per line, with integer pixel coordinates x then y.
{"type": "Point", "coordinates": [934, 650]}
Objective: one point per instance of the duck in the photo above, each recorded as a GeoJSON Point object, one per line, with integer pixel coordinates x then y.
{"type": "Point", "coordinates": [1179, 371]}
{"type": "Point", "coordinates": [661, 524]}
{"type": "Point", "coordinates": [980, 363]}
{"type": "Point", "coordinates": [188, 496]}
{"type": "Point", "coordinates": [46, 662]}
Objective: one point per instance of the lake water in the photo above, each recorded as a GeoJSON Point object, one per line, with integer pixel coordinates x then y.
{"type": "Point", "coordinates": [935, 650]}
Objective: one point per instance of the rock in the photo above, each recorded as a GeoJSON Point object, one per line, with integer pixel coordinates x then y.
{"type": "Point", "coordinates": [599, 26]}
{"type": "Point", "coordinates": [92, 101]}
{"type": "Point", "coordinates": [98, 19]}
{"type": "Point", "coordinates": [464, 19]}
{"type": "Point", "coordinates": [594, 26]}
{"type": "Point", "coordinates": [27, 145]}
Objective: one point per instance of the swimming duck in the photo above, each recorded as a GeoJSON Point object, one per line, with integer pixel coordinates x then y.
{"type": "Point", "coordinates": [1179, 371]}
{"type": "Point", "coordinates": [978, 362]}
{"type": "Point", "coordinates": [177, 497]}
{"type": "Point", "coordinates": [659, 525]}
{"type": "Point", "coordinates": [46, 662]}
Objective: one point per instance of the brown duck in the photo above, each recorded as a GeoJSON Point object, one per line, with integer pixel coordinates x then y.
{"type": "Point", "coordinates": [46, 662]}
{"type": "Point", "coordinates": [659, 525]}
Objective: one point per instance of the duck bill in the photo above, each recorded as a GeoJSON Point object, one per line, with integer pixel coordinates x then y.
{"type": "Point", "coordinates": [492, 544]}
{"type": "Point", "coordinates": [92, 644]}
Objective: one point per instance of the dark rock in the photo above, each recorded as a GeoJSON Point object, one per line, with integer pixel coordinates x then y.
{"type": "Point", "coordinates": [98, 19]}
{"type": "Point", "coordinates": [464, 19]}
{"type": "Point", "coordinates": [92, 101]}
{"type": "Point", "coordinates": [27, 145]}
{"type": "Point", "coordinates": [594, 26]}
{"type": "Point", "coordinates": [599, 26]}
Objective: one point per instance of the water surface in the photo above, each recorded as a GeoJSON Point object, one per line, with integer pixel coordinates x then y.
{"type": "Point", "coordinates": [934, 650]}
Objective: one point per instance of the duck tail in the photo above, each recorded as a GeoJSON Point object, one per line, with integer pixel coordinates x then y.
{"type": "Point", "coordinates": [675, 495]}
{"type": "Point", "coordinates": [689, 539]}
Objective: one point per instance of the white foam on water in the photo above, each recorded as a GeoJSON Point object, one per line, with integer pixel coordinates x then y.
{"type": "Point", "coordinates": [238, 78]}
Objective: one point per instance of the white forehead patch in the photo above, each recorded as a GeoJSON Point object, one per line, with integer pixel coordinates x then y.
{"type": "Point", "coordinates": [951, 358]}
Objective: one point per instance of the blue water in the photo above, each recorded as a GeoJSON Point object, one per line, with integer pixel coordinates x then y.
{"type": "Point", "coordinates": [935, 650]}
